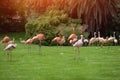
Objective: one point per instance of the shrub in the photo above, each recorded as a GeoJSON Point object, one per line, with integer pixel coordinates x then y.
{"type": "Point", "coordinates": [49, 24]}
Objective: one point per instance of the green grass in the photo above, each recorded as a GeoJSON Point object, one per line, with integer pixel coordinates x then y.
{"type": "Point", "coordinates": [56, 63]}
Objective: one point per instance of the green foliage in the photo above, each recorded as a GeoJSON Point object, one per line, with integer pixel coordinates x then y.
{"type": "Point", "coordinates": [49, 24]}
{"type": "Point", "coordinates": [114, 25]}
{"type": "Point", "coordinates": [12, 16]}
{"type": "Point", "coordinates": [95, 13]}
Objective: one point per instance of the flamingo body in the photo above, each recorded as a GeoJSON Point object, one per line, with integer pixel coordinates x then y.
{"type": "Point", "coordinates": [22, 41]}
{"type": "Point", "coordinates": [28, 41]}
{"type": "Point", "coordinates": [38, 37]}
{"type": "Point", "coordinates": [41, 36]}
{"type": "Point", "coordinates": [72, 36]}
{"type": "Point", "coordinates": [111, 39]}
{"type": "Point", "coordinates": [10, 47]}
{"type": "Point", "coordinates": [6, 39]}
{"type": "Point", "coordinates": [86, 40]}
{"type": "Point", "coordinates": [59, 40]}
{"type": "Point", "coordinates": [78, 43]}
{"type": "Point", "coordinates": [93, 40]}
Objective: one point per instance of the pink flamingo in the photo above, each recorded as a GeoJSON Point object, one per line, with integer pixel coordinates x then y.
{"type": "Point", "coordinates": [9, 48]}
{"type": "Point", "coordinates": [39, 37]}
{"type": "Point", "coordinates": [28, 42]}
{"type": "Point", "coordinates": [6, 39]}
{"type": "Point", "coordinates": [60, 40]}
{"type": "Point", "coordinates": [73, 37]}
{"type": "Point", "coordinates": [78, 44]}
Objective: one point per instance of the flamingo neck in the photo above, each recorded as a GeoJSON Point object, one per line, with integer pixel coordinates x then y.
{"type": "Point", "coordinates": [98, 34]}
{"type": "Point", "coordinates": [73, 30]}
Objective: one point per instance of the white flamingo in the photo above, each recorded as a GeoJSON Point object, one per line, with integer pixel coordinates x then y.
{"type": "Point", "coordinates": [22, 41]}
{"type": "Point", "coordinates": [78, 44]}
{"type": "Point", "coordinates": [115, 40]}
{"type": "Point", "coordinates": [9, 48]}
{"type": "Point", "coordinates": [86, 41]}
{"type": "Point", "coordinates": [12, 41]}
{"type": "Point", "coordinates": [101, 39]}
{"type": "Point", "coordinates": [93, 39]}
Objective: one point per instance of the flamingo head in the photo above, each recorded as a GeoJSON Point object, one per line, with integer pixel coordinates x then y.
{"type": "Point", "coordinates": [81, 36]}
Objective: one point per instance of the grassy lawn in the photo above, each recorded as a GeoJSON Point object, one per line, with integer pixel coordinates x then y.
{"type": "Point", "coordinates": [56, 63]}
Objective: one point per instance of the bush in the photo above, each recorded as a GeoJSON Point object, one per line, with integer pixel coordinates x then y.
{"type": "Point", "coordinates": [49, 24]}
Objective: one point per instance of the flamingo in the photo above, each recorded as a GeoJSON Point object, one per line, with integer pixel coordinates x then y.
{"type": "Point", "coordinates": [93, 39]}
{"type": "Point", "coordinates": [78, 44]}
{"type": "Point", "coordinates": [6, 39]}
{"type": "Point", "coordinates": [86, 41]}
{"type": "Point", "coordinates": [28, 42]}
{"type": "Point", "coordinates": [101, 39]}
{"type": "Point", "coordinates": [60, 40]}
{"type": "Point", "coordinates": [115, 40]}
{"type": "Point", "coordinates": [9, 48]}
{"type": "Point", "coordinates": [22, 41]}
{"type": "Point", "coordinates": [73, 37]}
{"type": "Point", "coordinates": [12, 41]}
{"type": "Point", "coordinates": [39, 37]}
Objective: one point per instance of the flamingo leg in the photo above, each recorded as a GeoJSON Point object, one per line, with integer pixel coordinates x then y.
{"type": "Point", "coordinates": [10, 56]}
{"type": "Point", "coordinates": [7, 52]}
{"type": "Point", "coordinates": [74, 52]}
{"type": "Point", "coordinates": [40, 46]}
{"type": "Point", "coordinates": [78, 53]}
{"type": "Point", "coordinates": [28, 49]}
{"type": "Point", "coordinates": [61, 45]}
{"type": "Point", "coordinates": [57, 45]}
{"type": "Point", "coordinates": [102, 44]}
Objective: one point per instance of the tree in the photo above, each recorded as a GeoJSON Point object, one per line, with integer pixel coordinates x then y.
{"type": "Point", "coordinates": [95, 13]}
{"type": "Point", "coordinates": [12, 12]}
{"type": "Point", "coordinates": [38, 5]}
{"type": "Point", "coordinates": [42, 5]}
{"type": "Point", "coordinates": [50, 23]}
